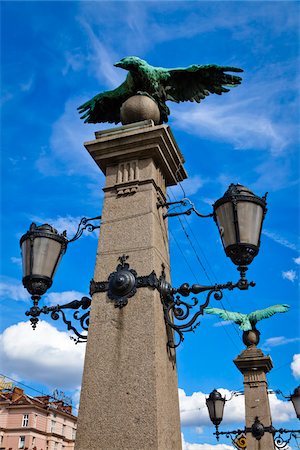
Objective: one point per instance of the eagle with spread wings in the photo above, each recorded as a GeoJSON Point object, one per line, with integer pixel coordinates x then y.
{"type": "Point", "coordinates": [247, 322]}
{"type": "Point", "coordinates": [192, 83]}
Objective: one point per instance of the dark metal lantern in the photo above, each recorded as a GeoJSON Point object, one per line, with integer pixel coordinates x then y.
{"type": "Point", "coordinates": [215, 404]}
{"type": "Point", "coordinates": [239, 215]}
{"type": "Point", "coordinates": [295, 399]}
{"type": "Point", "coordinates": [42, 249]}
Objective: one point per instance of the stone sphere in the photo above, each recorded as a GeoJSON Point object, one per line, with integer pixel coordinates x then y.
{"type": "Point", "coordinates": [138, 108]}
{"type": "Point", "coordinates": [251, 337]}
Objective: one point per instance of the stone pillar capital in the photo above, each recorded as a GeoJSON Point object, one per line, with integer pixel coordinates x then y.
{"type": "Point", "coordinates": [140, 140]}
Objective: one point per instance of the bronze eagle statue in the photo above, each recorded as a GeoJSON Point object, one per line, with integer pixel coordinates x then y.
{"type": "Point", "coordinates": [192, 83]}
{"type": "Point", "coordinates": [247, 322]}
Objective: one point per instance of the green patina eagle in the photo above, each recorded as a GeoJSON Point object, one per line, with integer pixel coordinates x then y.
{"type": "Point", "coordinates": [247, 322]}
{"type": "Point", "coordinates": [192, 83]}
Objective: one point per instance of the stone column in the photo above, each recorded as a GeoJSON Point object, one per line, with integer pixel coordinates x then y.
{"type": "Point", "coordinates": [254, 365]}
{"type": "Point", "coordinates": [129, 397]}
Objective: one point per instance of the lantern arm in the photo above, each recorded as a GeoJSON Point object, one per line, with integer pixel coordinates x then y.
{"type": "Point", "coordinates": [175, 308]}
{"type": "Point", "coordinates": [228, 434]}
{"type": "Point", "coordinates": [85, 224]}
{"type": "Point", "coordinates": [258, 430]}
{"type": "Point", "coordinates": [35, 311]}
{"type": "Point", "coordinates": [183, 202]}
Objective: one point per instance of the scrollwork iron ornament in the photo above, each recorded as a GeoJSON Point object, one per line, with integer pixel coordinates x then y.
{"type": "Point", "coordinates": [85, 224]}
{"type": "Point", "coordinates": [258, 430]}
{"type": "Point", "coordinates": [122, 284]}
{"type": "Point", "coordinates": [281, 443]}
{"type": "Point", "coordinates": [57, 312]}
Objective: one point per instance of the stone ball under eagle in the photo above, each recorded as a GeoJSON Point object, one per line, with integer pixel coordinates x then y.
{"type": "Point", "coordinates": [138, 108]}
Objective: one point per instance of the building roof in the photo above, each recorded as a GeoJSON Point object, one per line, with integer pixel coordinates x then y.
{"type": "Point", "coordinates": [17, 397]}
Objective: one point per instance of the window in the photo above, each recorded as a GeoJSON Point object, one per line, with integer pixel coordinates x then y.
{"type": "Point", "coordinates": [25, 420]}
{"type": "Point", "coordinates": [55, 445]}
{"type": "Point", "coordinates": [33, 441]}
{"type": "Point", "coordinates": [53, 423]}
{"type": "Point", "coordinates": [64, 430]}
{"type": "Point", "coordinates": [22, 442]}
{"type": "Point", "coordinates": [73, 434]}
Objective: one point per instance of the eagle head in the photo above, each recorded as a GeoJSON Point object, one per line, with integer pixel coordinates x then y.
{"type": "Point", "coordinates": [130, 63]}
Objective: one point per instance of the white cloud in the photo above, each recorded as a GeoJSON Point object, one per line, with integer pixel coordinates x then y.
{"type": "Point", "coordinates": [279, 239]}
{"type": "Point", "coordinates": [189, 446]}
{"type": "Point", "coordinates": [66, 155]}
{"type": "Point", "coordinates": [223, 323]}
{"type": "Point", "coordinates": [44, 355]}
{"type": "Point", "coordinates": [281, 411]}
{"type": "Point", "coordinates": [295, 365]}
{"type": "Point", "coordinates": [12, 289]}
{"type": "Point", "coordinates": [193, 409]}
{"type": "Point", "coordinates": [16, 260]}
{"type": "Point", "coordinates": [194, 413]}
{"type": "Point", "coordinates": [277, 341]}
{"type": "Point", "coordinates": [190, 186]}
{"type": "Point", "coordinates": [235, 122]}
{"type": "Point", "coordinates": [55, 298]}
{"type": "Point", "coordinates": [297, 260]}
{"type": "Point", "coordinates": [102, 59]}
{"type": "Point", "coordinates": [74, 61]}
{"type": "Point", "coordinates": [289, 275]}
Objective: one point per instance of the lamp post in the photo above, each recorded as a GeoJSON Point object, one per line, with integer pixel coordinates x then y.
{"type": "Point", "coordinates": [215, 404]}
{"type": "Point", "coordinates": [129, 389]}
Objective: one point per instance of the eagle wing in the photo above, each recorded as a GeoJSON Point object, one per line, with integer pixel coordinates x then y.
{"type": "Point", "coordinates": [260, 314]}
{"type": "Point", "coordinates": [105, 107]}
{"type": "Point", "coordinates": [226, 315]}
{"type": "Point", "coordinates": [195, 82]}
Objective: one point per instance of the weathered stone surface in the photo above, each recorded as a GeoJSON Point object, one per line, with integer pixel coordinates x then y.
{"type": "Point", "coordinates": [129, 398]}
{"type": "Point", "coordinates": [138, 108]}
{"type": "Point", "coordinates": [254, 365]}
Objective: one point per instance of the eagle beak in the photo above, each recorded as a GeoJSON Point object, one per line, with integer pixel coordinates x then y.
{"type": "Point", "coordinates": [118, 64]}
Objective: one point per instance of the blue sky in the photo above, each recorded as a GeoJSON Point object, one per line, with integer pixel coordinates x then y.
{"type": "Point", "coordinates": [55, 56]}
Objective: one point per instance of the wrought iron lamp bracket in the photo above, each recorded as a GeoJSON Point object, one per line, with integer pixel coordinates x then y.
{"type": "Point", "coordinates": [124, 282]}
{"type": "Point", "coordinates": [184, 202]}
{"type": "Point", "coordinates": [57, 311]}
{"type": "Point", "coordinates": [258, 430]}
{"type": "Point", "coordinates": [85, 224]}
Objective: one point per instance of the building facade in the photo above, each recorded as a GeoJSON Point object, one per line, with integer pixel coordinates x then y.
{"type": "Point", "coordinates": [35, 423]}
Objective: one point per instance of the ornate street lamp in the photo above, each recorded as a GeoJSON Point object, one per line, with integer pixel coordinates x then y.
{"type": "Point", "coordinates": [42, 249]}
{"type": "Point", "coordinates": [239, 215]}
{"type": "Point", "coordinates": [215, 404]}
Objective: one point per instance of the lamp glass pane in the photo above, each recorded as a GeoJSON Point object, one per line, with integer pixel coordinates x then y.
{"type": "Point", "coordinates": [296, 403]}
{"type": "Point", "coordinates": [215, 409]}
{"type": "Point", "coordinates": [25, 249]}
{"type": "Point", "coordinates": [250, 216]}
{"type": "Point", "coordinates": [46, 253]}
{"type": "Point", "coordinates": [219, 408]}
{"type": "Point", "coordinates": [211, 409]}
{"type": "Point", "coordinates": [225, 219]}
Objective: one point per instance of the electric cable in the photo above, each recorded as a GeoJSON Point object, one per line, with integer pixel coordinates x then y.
{"type": "Point", "coordinates": [204, 270]}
